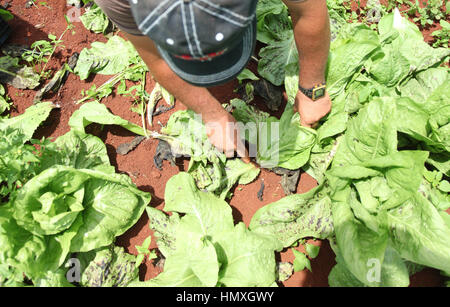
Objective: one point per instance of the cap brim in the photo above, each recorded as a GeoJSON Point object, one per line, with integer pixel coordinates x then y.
{"type": "Point", "coordinates": [218, 70]}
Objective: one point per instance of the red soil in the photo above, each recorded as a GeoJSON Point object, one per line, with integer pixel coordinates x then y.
{"type": "Point", "coordinates": [138, 164]}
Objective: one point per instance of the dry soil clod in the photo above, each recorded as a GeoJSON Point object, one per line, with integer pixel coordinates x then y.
{"type": "Point", "coordinates": [125, 148]}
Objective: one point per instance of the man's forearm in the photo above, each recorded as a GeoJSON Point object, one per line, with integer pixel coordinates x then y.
{"type": "Point", "coordinates": [195, 98]}
{"type": "Point", "coordinates": [312, 36]}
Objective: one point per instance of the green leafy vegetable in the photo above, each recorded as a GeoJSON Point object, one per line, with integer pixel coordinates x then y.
{"type": "Point", "coordinates": [61, 199]}
{"type": "Point", "coordinates": [247, 74]}
{"type": "Point", "coordinates": [204, 248]}
{"type": "Point", "coordinates": [95, 112]}
{"type": "Point", "coordinates": [301, 261]}
{"type": "Point", "coordinates": [108, 58]}
{"type": "Point", "coordinates": [95, 20]}
{"type": "Point", "coordinates": [5, 103]}
{"type": "Point", "coordinates": [312, 250]}
{"type": "Point", "coordinates": [28, 122]}
{"type": "Point", "coordinates": [275, 29]}
{"type": "Point", "coordinates": [19, 76]}
{"type": "Point", "coordinates": [284, 143]}
{"type": "Point", "coordinates": [108, 267]}
{"type": "Point", "coordinates": [295, 217]}
{"type": "Point", "coordinates": [6, 15]}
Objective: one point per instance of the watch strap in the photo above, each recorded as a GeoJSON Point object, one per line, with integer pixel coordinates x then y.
{"type": "Point", "coordinates": [309, 92]}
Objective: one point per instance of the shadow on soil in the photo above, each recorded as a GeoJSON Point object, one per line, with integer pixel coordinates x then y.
{"type": "Point", "coordinates": [155, 201]}
{"type": "Point", "coordinates": [48, 127]}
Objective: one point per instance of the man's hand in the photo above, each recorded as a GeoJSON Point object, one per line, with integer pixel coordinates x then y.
{"type": "Point", "coordinates": [312, 111]}
{"type": "Point", "coordinates": [219, 123]}
{"type": "Point", "coordinates": [222, 132]}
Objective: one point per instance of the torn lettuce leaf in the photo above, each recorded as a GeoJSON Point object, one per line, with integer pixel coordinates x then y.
{"type": "Point", "coordinates": [221, 180]}
{"type": "Point", "coordinates": [186, 135]}
{"type": "Point", "coordinates": [164, 228]}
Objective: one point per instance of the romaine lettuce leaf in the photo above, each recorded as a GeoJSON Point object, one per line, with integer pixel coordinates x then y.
{"type": "Point", "coordinates": [369, 135]}
{"type": "Point", "coordinates": [284, 143]}
{"type": "Point", "coordinates": [347, 56]}
{"type": "Point", "coordinates": [95, 112]}
{"type": "Point", "coordinates": [295, 217]}
{"type": "Point", "coordinates": [77, 150]}
{"type": "Point", "coordinates": [247, 258]}
{"type": "Point", "coordinates": [19, 76]}
{"type": "Point", "coordinates": [420, 234]}
{"type": "Point", "coordinates": [275, 29]}
{"type": "Point", "coordinates": [95, 20]}
{"type": "Point", "coordinates": [112, 205]}
{"type": "Point", "coordinates": [109, 266]}
{"type": "Point", "coordinates": [29, 121]}
{"type": "Point", "coordinates": [107, 58]}
{"type": "Point", "coordinates": [203, 247]}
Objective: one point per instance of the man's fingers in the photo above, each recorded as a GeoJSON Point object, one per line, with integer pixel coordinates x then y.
{"type": "Point", "coordinates": [305, 124]}
{"type": "Point", "coordinates": [242, 151]}
{"type": "Point", "coordinates": [226, 138]}
{"type": "Point", "coordinates": [246, 160]}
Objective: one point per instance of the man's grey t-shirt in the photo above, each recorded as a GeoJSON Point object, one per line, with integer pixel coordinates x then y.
{"type": "Point", "coordinates": [119, 12]}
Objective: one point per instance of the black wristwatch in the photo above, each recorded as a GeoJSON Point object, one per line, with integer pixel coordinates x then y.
{"type": "Point", "coordinates": [315, 92]}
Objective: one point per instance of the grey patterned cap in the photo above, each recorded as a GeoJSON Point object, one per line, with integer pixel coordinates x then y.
{"type": "Point", "coordinates": [205, 42]}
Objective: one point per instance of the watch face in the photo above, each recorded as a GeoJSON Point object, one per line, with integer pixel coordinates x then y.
{"type": "Point", "coordinates": [320, 92]}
